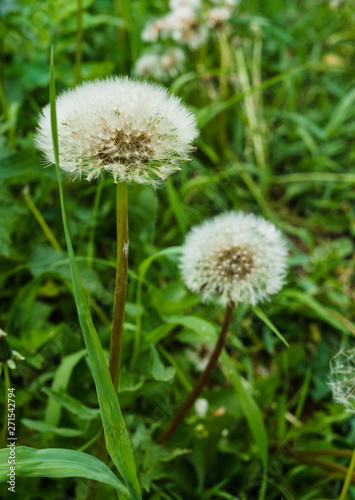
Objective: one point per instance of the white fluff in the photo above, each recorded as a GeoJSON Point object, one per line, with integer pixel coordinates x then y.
{"type": "Point", "coordinates": [342, 378]}
{"type": "Point", "coordinates": [181, 25]}
{"type": "Point", "coordinates": [234, 257]}
{"type": "Point", "coordinates": [134, 130]}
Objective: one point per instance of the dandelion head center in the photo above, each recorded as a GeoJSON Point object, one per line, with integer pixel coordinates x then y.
{"type": "Point", "coordinates": [235, 262]}
{"type": "Point", "coordinates": [126, 148]}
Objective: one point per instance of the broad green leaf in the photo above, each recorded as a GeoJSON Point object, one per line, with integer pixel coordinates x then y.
{"type": "Point", "coordinates": [59, 463]}
{"type": "Point", "coordinates": [117, 439]}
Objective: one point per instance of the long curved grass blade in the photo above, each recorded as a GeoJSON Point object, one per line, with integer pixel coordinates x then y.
{"type": "Point", "coordinates": [56, 462]}
{"type": "Point", "coordinates": [116, 436]}
{"type": "Point", "coordinates": [252, 414]}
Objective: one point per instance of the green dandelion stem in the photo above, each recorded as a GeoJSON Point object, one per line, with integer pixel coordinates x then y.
{"type": "Point", "coordinates": [202, 381]}
{"type": "Point", "coordinates": [121, 282]}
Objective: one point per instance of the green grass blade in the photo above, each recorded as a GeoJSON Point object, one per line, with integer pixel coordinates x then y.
{"type": "Point", "coordinates": [116, 436]}
{"type": "Point", "coordinates": [251, 412]}
{"type": "Point", "coordinates": [260, 314]}
{"type": "Point", "coordinates": [59, 463]}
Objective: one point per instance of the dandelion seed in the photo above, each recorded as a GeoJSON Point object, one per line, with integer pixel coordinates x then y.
{"type": "Point", "coordinates": [234, 257]}
{"type": "Point", "coordinates": [134, 130]}
{"type": "Point", "coordinates": [342, 378]}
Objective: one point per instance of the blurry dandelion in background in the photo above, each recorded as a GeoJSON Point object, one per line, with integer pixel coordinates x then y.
{"type": "Point", "coordinates": [161, 66]}
{"type": "Point", "coordinates": [342, 378]}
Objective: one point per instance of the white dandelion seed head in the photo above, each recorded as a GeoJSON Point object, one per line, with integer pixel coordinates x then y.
{"type": "Point", "coordinates": [234, 257]}
{"type": "Point", "coordinates": [161, 66]}
{"type": "Point", "coordinates": [134, 130]}
{"type": "Point", "coordinates": [217, 17]}
{"type": "Point", "coordinates": [342, 378]}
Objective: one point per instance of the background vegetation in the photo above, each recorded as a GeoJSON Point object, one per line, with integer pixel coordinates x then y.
{"type": "Point", "coordinates": [274, 96]}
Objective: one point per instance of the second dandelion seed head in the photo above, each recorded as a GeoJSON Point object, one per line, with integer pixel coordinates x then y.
{"type": "Point", "coordinates": [234, 257]}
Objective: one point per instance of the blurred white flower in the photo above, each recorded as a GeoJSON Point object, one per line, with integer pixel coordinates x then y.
{"type": "Point", "coordinates": [161, 66]}
{"type": "Point", "coordinates": [134, 130]}
{"type": "Point", "coordinates": [153, 30]}
{"type": "Point", "coordinates": [216, 17]}
{"type": "Point", "coordinates": [191, 4]}
{"type": "Point", "coordinates": [342, 378]}
{"type": "Point", "coordinates": [234, 257]}
{"type": "Point", "coordinates": [201, 407]}
{"type": "Point", "coordinates": [185, 27]}
{"type": "Point", "coordinates": [181, 25]}
{"type": "Point", "coordinates": [229, 4]}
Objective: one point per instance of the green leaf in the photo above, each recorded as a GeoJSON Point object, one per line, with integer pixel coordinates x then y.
{"type": "Point", "coordinates": [326, 314]}
{"type": "Point", "coordinates": [59, 463]}
{"type": "Point", "coordinates": [60, 383]}
{"type": "Point", "coordinates": [43, 427]}
{"type": "Point", "coordinates": [8, 217]}
{"type": "Point", "coordinates": [116, 436]}
{"type": "Point", "coordinates": [251, 412]}
{"type": "Point", "coordinates": [23, 167]}
{"type": "Point", "coordinates": [72, 405]}
{"type": "Point", "coordinates": [268, 323]}
{"type": "Point", "coordinates": [45, 260]}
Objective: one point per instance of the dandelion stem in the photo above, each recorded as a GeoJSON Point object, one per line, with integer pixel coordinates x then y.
{"type": "Point", "coordinates": [118, 307]}
{"type": "Point", "coordinates": [348, 478]}
{"type": "Point", "coordinates": [121, 283]}
{"type": "Point", "coordinates": [79, 41]}
{"type": "Point", "coordinates": [201, 382]}
{"type": "Point", "coordinates": [7, 387]}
